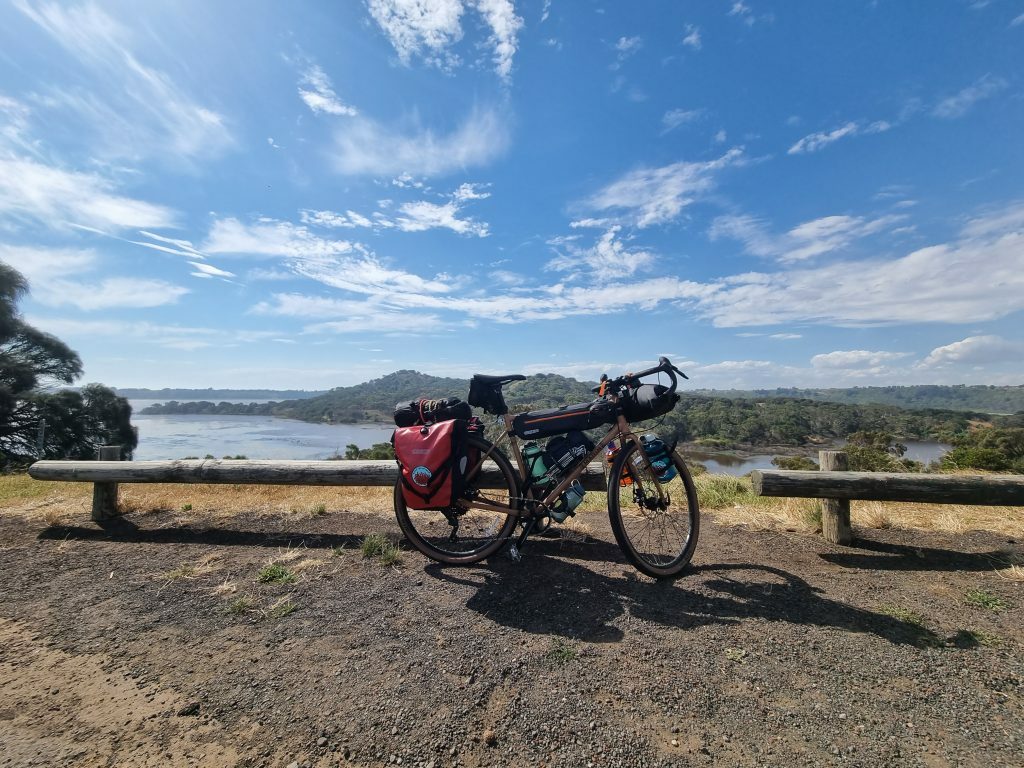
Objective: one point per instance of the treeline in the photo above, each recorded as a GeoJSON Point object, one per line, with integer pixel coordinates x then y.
{"type": "Point", "coordinates": [960, 397]}
{"type": "Point", "coordinates": [168, 393]}
{"type": "Point", "coordinates": [716, 420]}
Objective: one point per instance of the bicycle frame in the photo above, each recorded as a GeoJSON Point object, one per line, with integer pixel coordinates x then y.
{"type": "Point", "coordinates": [620, 431]}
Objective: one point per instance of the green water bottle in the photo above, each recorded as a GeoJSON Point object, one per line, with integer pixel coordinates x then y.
{"type": "Point", "coordinates": [533, 455]}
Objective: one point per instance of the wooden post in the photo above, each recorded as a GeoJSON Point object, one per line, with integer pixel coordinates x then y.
{"type": "Point", "coordinates": [835, 513]}
{"type": "Point", "coordinates": [104, 495]}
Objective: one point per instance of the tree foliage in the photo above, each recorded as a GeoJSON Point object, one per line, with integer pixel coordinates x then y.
{"type": "Point", "coordinates": [36, 421]}
{"type": "Point", "coordinates": [992, 448]}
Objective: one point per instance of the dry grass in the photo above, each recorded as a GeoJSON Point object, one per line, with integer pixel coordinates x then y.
{"type": "Point", "coordinates": [731, 499]}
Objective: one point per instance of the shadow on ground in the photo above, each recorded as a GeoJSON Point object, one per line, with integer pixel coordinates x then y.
{"type": "Point", "coordinates": [867, 554]}
{"type": "Point", "coordinates": [553, 591]}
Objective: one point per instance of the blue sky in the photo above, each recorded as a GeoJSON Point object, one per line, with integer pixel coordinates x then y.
{"type": "Point", "coordinates": [311, 195]}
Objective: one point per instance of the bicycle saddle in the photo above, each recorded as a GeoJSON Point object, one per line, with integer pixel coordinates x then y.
{"type": "Point", "coordinates": [483, 378]}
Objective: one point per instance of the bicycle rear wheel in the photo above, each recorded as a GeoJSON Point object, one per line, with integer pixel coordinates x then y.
{"type": "Point", "coordinates": [657, 538]}
{"type": "Point", "coordinates": [460, 536]}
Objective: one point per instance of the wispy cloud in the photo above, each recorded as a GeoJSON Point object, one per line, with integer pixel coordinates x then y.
{"type": "Point", "coordinates": [743, 12]}
{"type": "Point", "coordinates": [40, 265]}
{"type": "Point", "coordinates": [649, 196]}
{"type": "Point", "coordinates": [608, 259]}
{"type": "Point", "coordinates": [54, 197]}
{"type": "Point", "coordinates": [947, 285]}
{"type": "Point", "coordinates": [676, 117]}
{"type": "Point", "coordinates": [804, 241]}
{"type": "Point", "coordinates": [692, 37]}
{"type": "Point", "coordinates": [140, 111]}
{"type": "Point", "coordinates": [856, 358]}
{"type": "Point", "coordinates": [817, 141]}
{"type": "Point", "coordinates": [1017, 21]}
{"type": "Point", "coordinates": [366, 147]}
{"type": "Point", "coordinates": [316, 91]}
{"type": "Point", "coordinates": [110, 293]}
{"type": "Point", "coordinates": [414, 216]}
{"type": "Point", "coordinates": [962, 102]}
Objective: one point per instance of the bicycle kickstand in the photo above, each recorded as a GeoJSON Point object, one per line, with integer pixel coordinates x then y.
{"type": "Point", "coordinates": [515, 550]}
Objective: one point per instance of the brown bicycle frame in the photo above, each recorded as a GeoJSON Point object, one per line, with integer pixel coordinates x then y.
{"type": "Point", "coordinates": [620, 431]}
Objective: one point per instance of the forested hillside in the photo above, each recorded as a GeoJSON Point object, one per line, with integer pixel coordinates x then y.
{"type": "Point", "coordinates": [985, 399]}
{"type": "Point", "coordinates": [726, 421]}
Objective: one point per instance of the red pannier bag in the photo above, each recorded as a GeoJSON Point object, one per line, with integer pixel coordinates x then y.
{"type": "Point", "coordinates": [432, 463]}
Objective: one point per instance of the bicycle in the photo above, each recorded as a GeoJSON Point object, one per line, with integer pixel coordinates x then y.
{"type": "Point", "coordinates": [655, 522]}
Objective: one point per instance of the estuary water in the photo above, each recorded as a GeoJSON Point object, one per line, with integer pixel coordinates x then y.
{"type": "Point", "coordinates": [256, 437]}
{"type": "Point", "coordinates": [266, 437]}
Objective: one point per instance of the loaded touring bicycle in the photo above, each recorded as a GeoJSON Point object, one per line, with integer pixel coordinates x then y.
{"type": "Point", "coordinates": [459, 498]}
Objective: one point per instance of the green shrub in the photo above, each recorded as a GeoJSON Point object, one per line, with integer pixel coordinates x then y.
{"type": "Point", "coordinates": [275, 573]}
{"type": "Point", "coordinates": [795, 462]}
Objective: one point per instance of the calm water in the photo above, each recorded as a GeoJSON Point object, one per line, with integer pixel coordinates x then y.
{"type": "Point", "coordinates": [257, 437]}
{"type": "Point", "coordinates": [265, 437]}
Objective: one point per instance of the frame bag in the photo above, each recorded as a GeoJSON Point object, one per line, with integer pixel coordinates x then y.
{"type": "Point", "coordinates": [432, 463]}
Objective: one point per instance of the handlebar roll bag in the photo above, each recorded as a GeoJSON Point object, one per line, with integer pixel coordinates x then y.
{"type": "Point", "coordinates": [648, 401]}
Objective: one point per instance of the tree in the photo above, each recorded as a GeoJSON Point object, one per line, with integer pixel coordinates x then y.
{"type": "Point", "coordinates": [36, 421]}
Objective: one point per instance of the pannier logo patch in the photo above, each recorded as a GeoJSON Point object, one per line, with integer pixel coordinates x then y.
{"type": "Point", "coordinates": [421, 476]}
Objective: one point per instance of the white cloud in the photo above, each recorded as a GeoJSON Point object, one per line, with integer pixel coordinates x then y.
{"type": "Point", "coordinates": [818, 141]}
{"type": "Point", "coordinates": [207, 270]}
{"type": "Point", "coordinates": [140, 110]}
{"type": "Point", "coordinates": [938, 284]}
{"type": "Point", "coordinates": [54, 197]}
{"type": "Point", "coordinates": [14, 120]}
{"type": "Point", "coordinates": [347, 220]}
{"type": "Point", "coordinates": [961, 103]}
{"type": "Point", "coordinates": [471, 192]}
{"type": "Point", "coordinates": [420, 27]}
{"type": "Point", "coordinates": [39, 265]}
{"type": "Point", "coordinates": [676, 117]}
{"type": "Point", "coordinates": [657, 195]}
{"type": "Point", "coordinates": [366, 147]}
{"type": "Point", "coordinates": [114, 292]}
{"type": "Point", "coordinates": [270, 238]}
{"type": "Point", "coordinates": [975, 350]}
{"type": "Point", "coordinates": [804, 241]}
{"type": "Point", "coordinates": [856, 358]}
{"type": "Point", "coordinates": [720, 137]}
{"type": "Point", "coordinates": [692, 38]}
{"type": "Point", "coordinates": [607, 260]}
{"type": "Point", "coordinates": [400, 323]}
{"type": "Point", "coordinates": [429, 28]}
{"type": "Point", "coordinates": [627, 46]}
{"type": "Point", "coordinates": [1017, 21]}
{"type": "Point", "coordinates": [179, 337]}
{"type": "Point", "coordinates": [422, 215]}
{"type": "Point", "coordinates": [743, 12]}
{"type": "Point", "coordinates": [500, 15]}
{"type": "Point", "coordinates": [785, 336]}
{"type": "Point", "coordinates": [316, 91]}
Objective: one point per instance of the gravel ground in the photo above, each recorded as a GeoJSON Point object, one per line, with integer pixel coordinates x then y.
{"type": "Point", "coordinates": [152, 643]}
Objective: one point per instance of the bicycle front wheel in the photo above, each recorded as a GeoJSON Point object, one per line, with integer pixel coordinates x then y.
{"type": "Point", "coordinates": [657, 535]}
{"type": "Point", "coordinates": [463, 536]}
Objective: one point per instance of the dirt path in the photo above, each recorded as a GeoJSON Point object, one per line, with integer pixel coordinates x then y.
{"type": "Point", "coordinates": [153, 643]}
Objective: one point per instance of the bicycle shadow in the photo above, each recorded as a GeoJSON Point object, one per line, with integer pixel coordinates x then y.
{"type": "Point", "coordinates": [556, 596]}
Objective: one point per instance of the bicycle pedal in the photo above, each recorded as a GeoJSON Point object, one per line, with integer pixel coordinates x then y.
{"type": "Point", "coordinates": [514, 554]}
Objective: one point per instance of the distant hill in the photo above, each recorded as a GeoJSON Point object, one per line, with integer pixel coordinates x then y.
{"type": "Point", "coordinates": [217, 394]}
{"type": "Point", "coordinates": [375, 400]}
{"type": "Point", "coordinates": [958, 397]}
{"type": "Point", "coordinates": [751, 418]}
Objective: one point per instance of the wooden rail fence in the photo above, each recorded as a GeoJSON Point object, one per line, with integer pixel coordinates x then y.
{"type": "Point", "coordinates": [108, 472]}
{"type": "Point", "coordinates": [832, 483]}
{"type": "Point", "coordinates": [836, 487]}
